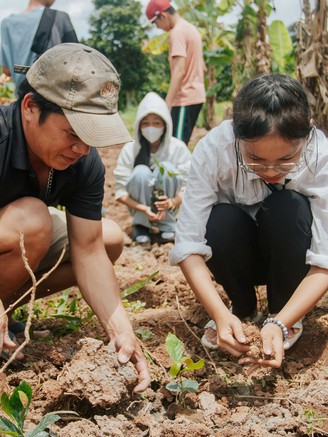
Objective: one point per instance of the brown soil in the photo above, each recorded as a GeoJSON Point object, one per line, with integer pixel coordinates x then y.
{"type": "Point", "coordinates": [79, 372]}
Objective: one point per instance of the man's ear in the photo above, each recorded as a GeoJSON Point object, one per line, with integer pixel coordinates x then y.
{"type": "Point", "coordinates": [28, 107]}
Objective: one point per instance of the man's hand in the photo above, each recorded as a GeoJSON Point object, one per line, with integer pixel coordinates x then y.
{"type": "Point", "coordinates": [128, 349]}
{"type": "Point", "coordinates": [5, 341]}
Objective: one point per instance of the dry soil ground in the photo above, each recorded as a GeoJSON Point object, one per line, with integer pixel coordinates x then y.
{"type": "Point", "coordinates": [78, 372]}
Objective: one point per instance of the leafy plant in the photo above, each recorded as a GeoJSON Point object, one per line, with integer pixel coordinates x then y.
{"type": "Point", "coordinates": [181, 364]}
{"type": "Point", "coordinates": [16, 408]}
{"type": "Point", "coordinates": [145, 334]}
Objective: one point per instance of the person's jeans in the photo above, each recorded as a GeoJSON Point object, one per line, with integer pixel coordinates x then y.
{"type": "Point", "coordinates": [267, 251]}
{"type": "Point", "coordinates": [141, 185]}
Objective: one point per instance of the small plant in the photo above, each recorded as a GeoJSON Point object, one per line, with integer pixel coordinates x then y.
{"type": "Point", "coordinates": [145, 334]}
{"type": "Point", "coordinates": [181, 364]}
{"type": "Point", "coordinates": [16, 408]}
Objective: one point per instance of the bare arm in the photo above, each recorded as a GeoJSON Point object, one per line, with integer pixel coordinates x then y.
{"type": "Point", "coordinates": [97, 282]}
{"type": "Point", "coordinates": [177, 75]}
{"type": "Point", "coordinates": [229, 329]}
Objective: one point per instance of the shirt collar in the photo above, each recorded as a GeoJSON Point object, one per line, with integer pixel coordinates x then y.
{"type": "Point", "coordinates": [19, 157]}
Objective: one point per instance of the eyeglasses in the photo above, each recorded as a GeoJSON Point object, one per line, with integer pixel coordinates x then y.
{"type": "Point", "coordinates": [286, 167]}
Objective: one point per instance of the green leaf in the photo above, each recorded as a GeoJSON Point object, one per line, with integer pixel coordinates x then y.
{"type": "Point", "coordinates": [47, 420]}
{"type": "Point", "coordinates": [189, 385]}
{"type": "Point", "coordinates": [173, 386]}
{"type": "Point", "coordinates": [190, 365]}
{"type": "Point", "coordinates": [145, 334]}
{"type": "Point", "coordinates": [281, 43]}
{"type": "Point", "coordinates": [174, 348]}
{"type": "Point", "coordinates": [9, 428]}
{"type": "Point", "coordinates": [175, 369]}
{"type": "Point", "coordinates": [136, 287]}
{"type": "Point", "coordinates": [18, 410]}
{"type": "Point", "coordinates": [5, 405]}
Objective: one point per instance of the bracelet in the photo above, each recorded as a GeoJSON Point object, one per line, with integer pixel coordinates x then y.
{"type": "Point", "coordinates": [279, 323]}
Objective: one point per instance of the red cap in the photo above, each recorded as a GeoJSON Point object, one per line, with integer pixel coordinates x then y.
{"type": "Point", "coordinates": [156, 7]}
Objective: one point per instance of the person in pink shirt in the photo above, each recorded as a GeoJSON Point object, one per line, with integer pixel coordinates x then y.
{"type": "Point", "coordinates": [186, 93]}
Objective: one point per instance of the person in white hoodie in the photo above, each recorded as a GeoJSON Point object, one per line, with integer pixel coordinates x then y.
{"type": "Point", "coordinates": [152, 172]}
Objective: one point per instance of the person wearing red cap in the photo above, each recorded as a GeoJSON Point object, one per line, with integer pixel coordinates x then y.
{"type": "Point", "coordinates": [186, 93]}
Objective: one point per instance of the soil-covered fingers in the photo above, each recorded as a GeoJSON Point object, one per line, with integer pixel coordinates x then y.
{"type": "Point", "coordinates": [273, 346]}
{"type": "Point", "coordinates": [129, 349]}
{"type": "Point", "coordinates": [231, 338]}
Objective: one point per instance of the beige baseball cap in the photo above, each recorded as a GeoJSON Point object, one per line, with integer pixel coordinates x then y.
{"type": "Point", "coordinates": [85, 84]}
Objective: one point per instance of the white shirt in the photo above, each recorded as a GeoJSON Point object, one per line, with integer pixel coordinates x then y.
{"type": "Point", "coordinates": [215, 177]}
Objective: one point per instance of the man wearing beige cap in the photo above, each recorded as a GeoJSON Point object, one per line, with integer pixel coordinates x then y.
{"type": "Point", "coordinates": [66, 107]}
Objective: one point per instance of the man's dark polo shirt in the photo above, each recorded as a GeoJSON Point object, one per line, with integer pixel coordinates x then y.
{"type": "Point", "coordinates": [80, 188]}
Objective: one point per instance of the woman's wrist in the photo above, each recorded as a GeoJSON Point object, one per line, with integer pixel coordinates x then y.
{"type": "Point", "coordinates": [279, 323]}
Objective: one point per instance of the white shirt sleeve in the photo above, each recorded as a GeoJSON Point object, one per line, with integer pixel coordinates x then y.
{"type": "Point", "coordinates": [123, 170]}
{"type": "Point", "coordinates": [199, 197]}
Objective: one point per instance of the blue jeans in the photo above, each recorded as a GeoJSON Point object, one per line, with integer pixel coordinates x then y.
{"type": "Point", "coordinates": [140, 187]}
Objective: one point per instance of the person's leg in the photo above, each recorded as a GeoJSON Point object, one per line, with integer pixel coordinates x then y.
{"type": "Point", "coordinates": [170, 182]}
{"type": "Point", "coordinates": [30, 218]}
{"type": "Point", "coordinates": [140, 188]}
{"type": "Point", "coordinates": [284, 222]}
{"type": "Point", "coordinates": [63, 276]}
{"type": "Point", "coordinates": [184, 119]}
{"type": "Point", "coordinates": [235, 263]}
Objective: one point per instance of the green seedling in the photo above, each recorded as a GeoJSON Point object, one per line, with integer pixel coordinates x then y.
{"type": "Point", "coordinates": [181, 364]}
{"type": "Point", "coordinates": [145, 334]}
{"type": "Point", "coordinates": [136, 287]}
{"type": "Point", "coordinates": [16, 408]}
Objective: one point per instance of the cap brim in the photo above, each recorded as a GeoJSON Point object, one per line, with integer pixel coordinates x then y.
{"type": "Point", "coordinates": [98, 130]}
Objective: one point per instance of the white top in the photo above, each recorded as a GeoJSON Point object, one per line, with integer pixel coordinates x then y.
{"type": "Point", "coordinates": [171, 149]}
{"type": "Point", "coordinates": [215, 177]}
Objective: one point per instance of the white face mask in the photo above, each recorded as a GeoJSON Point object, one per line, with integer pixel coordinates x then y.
{"type": "Point", "coordinates": [152, 133]}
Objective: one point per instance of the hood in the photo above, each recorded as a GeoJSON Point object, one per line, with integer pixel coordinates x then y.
{"type": "Point", "coordinates": [152, 103]}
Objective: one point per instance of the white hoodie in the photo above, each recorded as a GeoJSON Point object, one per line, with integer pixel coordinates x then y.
{"type": "Point", "coordinates": [171, 149]}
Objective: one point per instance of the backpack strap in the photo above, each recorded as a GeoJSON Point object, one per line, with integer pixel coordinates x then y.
{"type": "Point", "coordinates": [43, 33]}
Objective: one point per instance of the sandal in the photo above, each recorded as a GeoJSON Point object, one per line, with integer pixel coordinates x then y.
{"type": "Point", "coordinates": [292, 340]}
{"type": "Point", "coordinates": [209, 325]}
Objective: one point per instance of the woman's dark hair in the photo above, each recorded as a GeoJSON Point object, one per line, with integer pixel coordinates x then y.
{"type": "Point", "coordinates": [46, 107]}
{"type": "Point", "coordinates": [274, 103]}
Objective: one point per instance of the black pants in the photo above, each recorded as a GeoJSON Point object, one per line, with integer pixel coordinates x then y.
{"type": "Point", "coordinates": [184, 119]}
{"type": "Point", "coordinates": [269, 251]}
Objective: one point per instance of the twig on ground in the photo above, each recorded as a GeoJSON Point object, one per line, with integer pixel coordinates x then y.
{"type": "Point", "coordinates": [192, 332]}
{"type": "Point", "coordinates": [43, 277]}
{"type": "Point", "coordinates": [32, 290]}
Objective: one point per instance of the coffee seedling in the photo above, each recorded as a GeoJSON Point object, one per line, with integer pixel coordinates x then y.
{"type": "Point", "coordinates": [16, 408]}
{"type": "Point", "coordinates": [181, 364]}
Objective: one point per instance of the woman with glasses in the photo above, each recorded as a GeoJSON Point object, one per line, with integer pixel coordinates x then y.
{"type": "Point", "coordinates": [255, 213]}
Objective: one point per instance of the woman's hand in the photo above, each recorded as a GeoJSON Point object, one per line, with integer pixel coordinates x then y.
{"type": "Point", "coordinates": [230, 335]}
{"type": "Point", "coordinates": [154, 217]}
{"type": "Point", "coordinates": [164, 203]}
{"type": "Point", "coordinates": [273, 348]}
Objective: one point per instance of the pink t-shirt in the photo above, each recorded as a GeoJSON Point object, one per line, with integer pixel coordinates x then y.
{"type": "Point", "coordinates": [185, 41]}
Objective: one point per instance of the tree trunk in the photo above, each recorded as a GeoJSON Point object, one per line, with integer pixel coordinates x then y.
{"type": "Point", "coordinates": [210, 100]}
{"type": "Point", "coordinates": [312, 60]}
{"type": "Point", "coordinates": [262, 47]}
